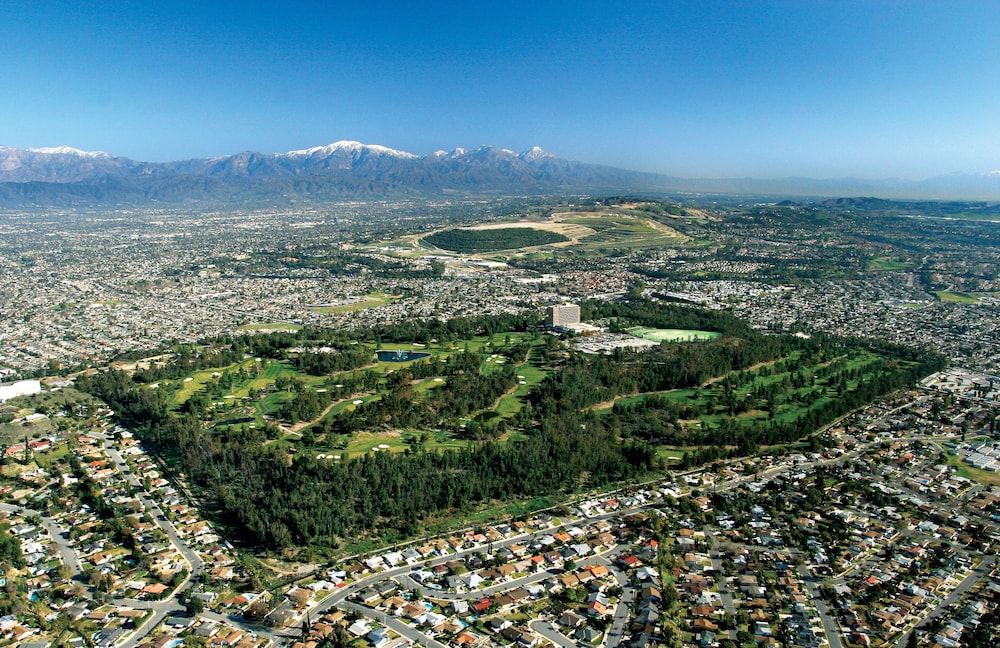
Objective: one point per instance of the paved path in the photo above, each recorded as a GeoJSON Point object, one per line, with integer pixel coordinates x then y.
{"type": "Point", "coordinates": [394, 624]}
{"type": "Point", "coordinates": [59, 535]}
{"type": "Point", "coordinates": [623, 610]}
{"type": "Point", "coordinates": [159, 518]}
{"type": "Point", "coordinates": [830, 625]}
{"type": "Point", "coordinates": [974, 577]}
{"type": "Point", "coordinates": [549, 630]}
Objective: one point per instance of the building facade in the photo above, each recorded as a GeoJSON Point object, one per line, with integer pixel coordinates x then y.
{"type": "Point", "coordinates": [563, 315]}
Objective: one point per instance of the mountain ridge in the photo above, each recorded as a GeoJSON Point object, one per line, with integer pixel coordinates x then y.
{"type": "Point", "coordinates": [351, 170]}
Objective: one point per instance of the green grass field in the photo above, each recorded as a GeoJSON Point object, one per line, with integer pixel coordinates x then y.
{"type": "Point", "coordinates": [190, 385]}
{"type": "Point", "coordinates": [370, 301]}
{"type": "Point", "coordinates": [673, 335]}
{"type": "Point", "coordinates": [950, 297]}
{"type": "Point", "coordinates": [979, 476]}
{"type": "Point", "coordinates": [270, 326]}
{"type": "Point", "coordinates": [624, 232]}
{"type": "Point", "coordinates": [528, 375]}
{"type": "Point", "coordinates": [669, 454]}
{"type": "Point", "coordinates": [888, 264]}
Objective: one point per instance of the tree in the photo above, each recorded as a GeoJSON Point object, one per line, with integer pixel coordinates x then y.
{"type": "Point", "coordinates": [256, 611]}
{"type": "Point", "coordinates": [194, 606]}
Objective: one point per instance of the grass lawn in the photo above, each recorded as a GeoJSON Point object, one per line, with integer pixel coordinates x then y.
{"type": "Point", "coordinates": [47, 459]}
{"type": "Point", "coordinates": [950, 297]}
{"type": "Point", "coordinates": [888, 264]}
{"type": "Point", "coordinates": [190, 385]}
{"type": "Point", "coordinates": [429, 383]}
{"type": "Point", "coordinates": [979, 476]}
{"type": "Point", "coordinates": [673, 335]}
{"type": "Point", "coordinates": [270, 326]}
{"type": "Point", "coordinates": [441, 440]}
{"type": "Point", "coordinates": [529, 374]}
{"type": "Point", "coordinates": [349, 404]}
{"type": "Point", "coordinates": [670, 454]}
{"type": "Point", "coordinates": [364, 442]}
{"type": "Point", "coordinates": [370, 301]}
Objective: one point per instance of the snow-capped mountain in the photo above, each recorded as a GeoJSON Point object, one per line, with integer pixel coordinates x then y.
{"type": "Point", "coordinates": [67, 164]}
{"type": "Point", "coordinates": [341, 170]}
{"type": "Point", "coordinates": [349, 170]}
{"type": "Point", "coordinates": [61, 164]}
{"type": "Point", "coordinates": [355, 149]}
{"type": "Point", "coordinates": [69, 150]}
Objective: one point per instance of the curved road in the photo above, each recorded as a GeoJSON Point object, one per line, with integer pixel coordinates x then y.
{"type": "Point", "coordinates": [69, 557]}
{"type": "Point", "coordinates": [59, 536]}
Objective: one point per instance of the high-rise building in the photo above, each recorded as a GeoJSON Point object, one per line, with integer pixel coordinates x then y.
{"type": "Point", "coordinates": [563, 315]}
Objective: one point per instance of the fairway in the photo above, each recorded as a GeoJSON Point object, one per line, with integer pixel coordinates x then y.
{"type": "Point", "coordinates": [673, 335]}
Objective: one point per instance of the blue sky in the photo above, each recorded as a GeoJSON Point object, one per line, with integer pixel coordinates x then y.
{"type": "Point", "coordinates": [690, 88]}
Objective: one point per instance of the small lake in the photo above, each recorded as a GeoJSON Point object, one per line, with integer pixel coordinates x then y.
{"type": "Point", "coordinates": [400, 356]}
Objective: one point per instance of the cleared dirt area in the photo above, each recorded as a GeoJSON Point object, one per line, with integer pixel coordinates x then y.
{"type": "Point", "coordinates": [611, 228]}
{"type": "Point", "coordinates": [573, 231]}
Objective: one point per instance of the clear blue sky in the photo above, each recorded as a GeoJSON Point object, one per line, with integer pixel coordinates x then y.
{"type": "Point", "coordinates": [693, 88]}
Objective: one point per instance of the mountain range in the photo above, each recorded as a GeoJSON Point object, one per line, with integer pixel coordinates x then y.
{"type": "Point", "coordinates": [348, 170]}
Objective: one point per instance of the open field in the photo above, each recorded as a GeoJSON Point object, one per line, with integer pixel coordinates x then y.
{"type": "Point", "coordinates": [369, 301]}
{"type": "Point", "coordinates": [888, 264]}
{"type": "Point", "coordinates": [266, 327]}
{"type": "Point", "coordinates": [673, 335]}
{"type": "Point", "coordinates": [620, 231]}
{"type": "Point", "coordinates": [963, 469]}
{"type": "Point", "coordinates": [950, 297]}
{"type": "Point", "coordinates": [11, 433]}
{"type": "Point", "coordinates": [586, 231]}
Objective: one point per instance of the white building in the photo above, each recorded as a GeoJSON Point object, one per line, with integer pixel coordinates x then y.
{"type": "Point", "coordinates": [563, 315]}
{"type": "Point", "coordinates": [20, 388]}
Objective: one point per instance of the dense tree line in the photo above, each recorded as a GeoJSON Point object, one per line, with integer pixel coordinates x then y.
{"type": "Point", "coordinates": [340, 263]}
{"type": "Point", "coordinates": [10, 549]}
{"type": "Point", "coordinates": [321, 364]}
{"type": "Point", "coordinates": [669, 316]}
{"type": "Point", "coordinates": [468, 241]}
{"type": "Point", "coordinates": [454, 329]}
{"type": "Point", "coordinates": [282, 500]}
